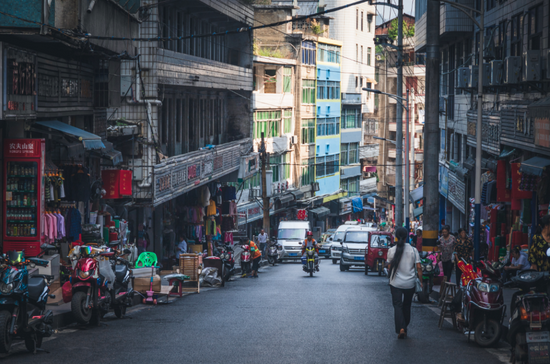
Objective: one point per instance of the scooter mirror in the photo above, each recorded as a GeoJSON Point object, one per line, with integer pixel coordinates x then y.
{"type": "Point", "coordinates": [548, 252]}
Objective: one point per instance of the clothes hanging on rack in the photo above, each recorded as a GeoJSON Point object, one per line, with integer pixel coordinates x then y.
{"type": "Point", "coordinates": [211, 209]}
{"type": "Point", "coordinates": [228, 223]}
{"type": "Point", "coordinates": [229, 193]}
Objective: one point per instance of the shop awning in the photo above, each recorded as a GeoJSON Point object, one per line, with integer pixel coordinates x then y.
{"type": "Point", "coordinates": [540, 108]}
{"type": "Point", "coordinates": [357, 204]}
{"type": "Point", "coordinates": [297, 194]}
{"type": "Point", "coordinates": [320, 211]}
{"type": "Point", "coordinates": [535, 166]}
{"type": "Point", "coordinates": [89, 140]}
{"type": "Point", "coordinates": [470, 163]}
{"type": "Point", "coordinates": [417, 194]}
{"type": "Point", "coordinates": [368, 208]}
{"type": "Point", "coordinates": [285, 198]}
{"type": "Point", "coordinates": [110, 154]}
{"type": "Point", "coordinates": [506, 152]}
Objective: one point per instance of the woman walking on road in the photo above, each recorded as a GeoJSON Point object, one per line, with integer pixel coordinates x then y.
{"type": "Point", "coordinates": [446, 245]}
{"type": "Point", "coordinates": [405, 265]}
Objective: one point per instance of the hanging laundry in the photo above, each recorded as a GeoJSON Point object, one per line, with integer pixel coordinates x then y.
{"type": "Point", "coordinates": [211, 210]}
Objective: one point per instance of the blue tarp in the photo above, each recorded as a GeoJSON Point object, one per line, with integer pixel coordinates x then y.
{"type": "Point", "coordinates": [534, 166]}
{"type": "Point", "coordinates": [357, 204]}
{"type": "Point", "coordinates": [89, 140]}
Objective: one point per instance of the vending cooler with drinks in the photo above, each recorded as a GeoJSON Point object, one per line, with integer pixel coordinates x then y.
{"type": "Point", "coordinates": [24, 161]}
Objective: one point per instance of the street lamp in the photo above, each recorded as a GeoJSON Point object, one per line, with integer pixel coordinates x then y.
{"type": "Point", "coordinates": [469, 11]}
{"type": "Point", "coordinates": [399, 151]}
{"type": "Point", "coordinates": [386, 140]}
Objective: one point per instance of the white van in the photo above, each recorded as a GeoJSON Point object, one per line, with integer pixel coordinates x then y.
{"type": "Point", "coordinates": [291, 235]}
{"type": "Point", "coordinates": [338, 237]}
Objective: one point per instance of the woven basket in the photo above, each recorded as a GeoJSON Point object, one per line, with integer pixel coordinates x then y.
{"type": "Point", "coordinates": [189, 265]}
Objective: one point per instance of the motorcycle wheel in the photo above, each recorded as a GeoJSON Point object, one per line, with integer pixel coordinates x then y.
{"type": "Point", "coordinates": [120, 311]}
{"type": "Point", "coordinates": [311, 273]}
{"type": "Point", "coordinates": [5, 337]}
{"type": "Point", "coordinates": [366, 270]}
{"type": "Point", "coordinates": [380, 267]}
{"type": "Point", "coordinates": [342, 267]}
{"type": "Point", "coordinates": [33, 342]}
{"type": "Point", "coordinates": [270, 260]}
{"type": "Point", "coordinates": [274, 261]}
{"type": "Point", "coordinates": [82, 314]}
{"type": "Point", "coordinates": [489, 337]}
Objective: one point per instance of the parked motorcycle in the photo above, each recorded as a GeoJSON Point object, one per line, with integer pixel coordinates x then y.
{"type": "Point", "coordinates": [228, 263]}
{"type": "Point", "coordinates": [91, 296]}
{"type": "Point", "coordinates": [529, 325]}
{"type": "Point", "coordinates": [23, 301]}
{"type": "Point", "coordinates": [122, 294]}
{"type": "Point", "coordinates": [245, 259]}
{"type": "Point", "coordinates": [272, 253]}
{"type": "Point", "coordinates": [310, 263]}
{"type": "Point", "coordinates": [429, 270]}
{"type": "Point", "coordinates": [483, 306]}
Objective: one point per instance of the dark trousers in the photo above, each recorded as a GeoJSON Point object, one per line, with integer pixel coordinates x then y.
{"type": "Point", "coordinates": [458, 274]}
{"type": "Point", "coordinates": [447, 269]}
{"type": "Point", "coordinates": [402, 300]}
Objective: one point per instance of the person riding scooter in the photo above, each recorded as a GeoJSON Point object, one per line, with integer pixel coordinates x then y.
{"type": "Point", "coordinates": [310, 242]}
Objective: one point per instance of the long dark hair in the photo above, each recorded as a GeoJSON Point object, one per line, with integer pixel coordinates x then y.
{"type": "Point", "coordinates": [401, 235]}
{"type": "Point", "coordinates": [544, 221]}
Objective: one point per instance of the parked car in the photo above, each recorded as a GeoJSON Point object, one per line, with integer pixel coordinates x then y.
{"type": "Point", "coordinates": [354, 247]}
{"type": "Point", "coordinates": [291, 235]}
{"type": "Point", "coordinates": [326, 243]}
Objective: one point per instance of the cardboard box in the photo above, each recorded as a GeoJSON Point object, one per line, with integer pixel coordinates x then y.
{"type": "Point", "coordinates": [144, 284]}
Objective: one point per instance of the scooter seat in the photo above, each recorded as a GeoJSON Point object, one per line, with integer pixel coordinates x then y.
{"type": "Point", "coordinates": [36, 288]}
{"type": "Point", "coordinates": [120, 272]}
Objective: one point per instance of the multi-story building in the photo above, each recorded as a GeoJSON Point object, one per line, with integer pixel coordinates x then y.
{"type": "Point", "coordinates": [515, 115]}
{"type": "Point", "coordinates": [385, 111]}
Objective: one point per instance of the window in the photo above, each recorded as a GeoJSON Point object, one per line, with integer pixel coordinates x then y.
{"type": "Point", "coordinates": [350, 118]}
{"type": "Point", "coordinates": [357, 53]}
{"type": "Point", "coordinates": [328, 126]}
{"type": "Point", "coordinates": [490, 4]}
{"type": "Point", "coordinates": [308, 91]}
{"type": "Point", "coordinates": [502, 40]}
{"type": "Point", "coordinates": [328, 90]}
{"type": "Point", "coordinates": [275, 164]}
{"type": "Point", "coordinates": [270, 81]}
{"type": "Point", "coordinates": [286, 167]}
{"type": "Point", "coordinates": [101, 82]}
{"type": "Point", "coordinates": [369, 22]}
{"type": "Point", "coordinates": [332, 164]}
{"type": "Point", "coordinates": [362, 55]}
{"type": "Point", "coordinates": [308, 131]}
{"type": "Point", "coordinates": [516, 48]}
{"type": "Point", "coordinates": [356, 82]}
{"type": "Point", "coordinates": [361, 21]}
{"type": "Point", "coordinates": [287, 79]}
{"type": "Point", "coordinates": [349, 153]}
{"type": "Point", "coordinates": [329, 53]}
{"type": "Point", "coordinates": [253, 182]}
{"type": "Point", "coordinates": [320, 167]}
{"type": "Point", "coordinates": [308, 171]}
{"type": "Point", "coordinates": [534, 29]}
{"type": "Point", "coordinates": [356, 18]}
{"type": "Point", "coordinates": [351, 185]}
{"type": "Point", "coordinates": [267, 122]}
{"type": "Point", "coordinates": [308, 52]}
{"type": "Point", "coordinates": [369, 56]}
{"type": "Point", "coordinates": [287, 121]}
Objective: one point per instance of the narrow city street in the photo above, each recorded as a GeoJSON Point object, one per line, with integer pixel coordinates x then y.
{"type": "Point", "coordinates": [282, 317]}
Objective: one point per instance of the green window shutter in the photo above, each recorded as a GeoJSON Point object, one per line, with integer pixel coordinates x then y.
{"type": "Point", "coordinates": [287, 79]}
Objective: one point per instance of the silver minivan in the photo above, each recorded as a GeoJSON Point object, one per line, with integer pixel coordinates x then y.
{"type": "Point", "coordinates": [338, 237]}
{"type": "Point", "coordinates": [354, 246]}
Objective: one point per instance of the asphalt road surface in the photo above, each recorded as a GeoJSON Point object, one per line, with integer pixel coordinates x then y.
{"type": "Point", "coordinates": [283, 316]}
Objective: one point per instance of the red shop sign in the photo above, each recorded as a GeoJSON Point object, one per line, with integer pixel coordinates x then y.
{"type": "Point", "coordinates": [26, 148]}
{"type": "Point", "coordinates": [116, 183]}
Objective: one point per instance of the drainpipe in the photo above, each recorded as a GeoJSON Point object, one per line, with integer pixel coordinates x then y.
{"type": "Point", "coordinates": [149, 152]}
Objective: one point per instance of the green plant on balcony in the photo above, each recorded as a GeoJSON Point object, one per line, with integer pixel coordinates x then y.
{"type": "Point", "coordinates": [408, 30]}
{"type": "Point", "coordinates": [316, 27]}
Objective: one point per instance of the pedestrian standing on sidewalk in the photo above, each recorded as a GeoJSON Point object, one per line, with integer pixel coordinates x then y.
{"type": "Point", "coordinates": [446, 244]}
{"type": "Point", "coordinates": [541, 241]}
{"type": "Point", "coordinates": [404, 268]}
{"type": "Point", "coordinates": [262, 240]}
{"type": "Point", "coordinates": [464, 250]}
{"type": "Point", "coordinates": [256, 257]}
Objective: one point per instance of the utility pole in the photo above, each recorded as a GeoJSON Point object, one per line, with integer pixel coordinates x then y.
{"type": "Point", "coordinates": [431, 129]}
{"type": "Point", "coordinates": [407, 169]}
{"type": "Point", "coordinates": [265, 198]}
{"type": "Point", "coordinates": [477, 206]}
{"type": "Point", "coordinates": [399, 123]}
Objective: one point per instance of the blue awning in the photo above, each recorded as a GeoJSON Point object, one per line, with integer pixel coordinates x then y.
{"type": "Point", "coordinates": [357, 204]}
{"type": "Point", "coordinates": [89, 140]}
{"type": "Point", "coordinates": [535, 166]}
{"type": "Point", "coordinates": [506, 152]}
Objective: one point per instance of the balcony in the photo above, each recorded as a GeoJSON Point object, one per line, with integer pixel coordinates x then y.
{"type": "Point", "coordinates": [417, 127]}
{"type": "Point", "coordinates": [274, 145]}
{"type": "Point", "coordinates": [270, 101]}
{"type": "Point", "coordinates": [368, 185]}
{"type": "Point", "coordinates": [453, 23]}
{"type": "Point", "coordinates": [179, 174]}
{"type": "Point", "coordinates": [180, 69]}
{"type": "Point", "coordinates": [369, 151]}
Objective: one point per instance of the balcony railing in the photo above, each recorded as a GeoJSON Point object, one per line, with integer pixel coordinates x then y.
{"type": "Point", "coordinates": [369, 151]}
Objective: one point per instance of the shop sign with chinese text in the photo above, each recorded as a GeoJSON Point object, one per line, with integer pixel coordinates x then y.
{"type": "Point", "coordinates": [25, 148]}
{"type": "Point", "coordinates": [456, 192]}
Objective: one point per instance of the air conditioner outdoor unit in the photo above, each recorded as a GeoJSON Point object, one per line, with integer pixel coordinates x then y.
{"type": "Point", "coordinates": [486, 74]}
{"type": "Point", "coordinates": [463, 77]}
{"type": "Point", "coordinates": [532, 66]}
{"type": "Point", "coordinates": [294, 139]}
{"type": "Point", "coordinates": [512, 68]}
{"type": "Point", "coordinates": [474, 74]}
{"type": "Point", "coordinates": [497, 72]}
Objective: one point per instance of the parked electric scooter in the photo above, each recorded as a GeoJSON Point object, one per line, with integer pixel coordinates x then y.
{"type": "Point", "coordinates": [228, 263]}
{"type": "Point", "coordinates": [91, 298]}
{"type": "Point", "coordinates": [245, 259]}
{"type": "Point", "coordinates": [23, 301]}
{"type": "Point", "coordinates": [272, 252]}
{"type": "Point", "coordinates": [483, 306]}
{"type": "Point", "coordinates": [429, 270]}
{"type": "Point", "coordinates": [529, 330]}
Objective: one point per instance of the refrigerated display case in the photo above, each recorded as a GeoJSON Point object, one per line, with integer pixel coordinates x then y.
{"type": "Point", "coordinates": [23, 206]}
